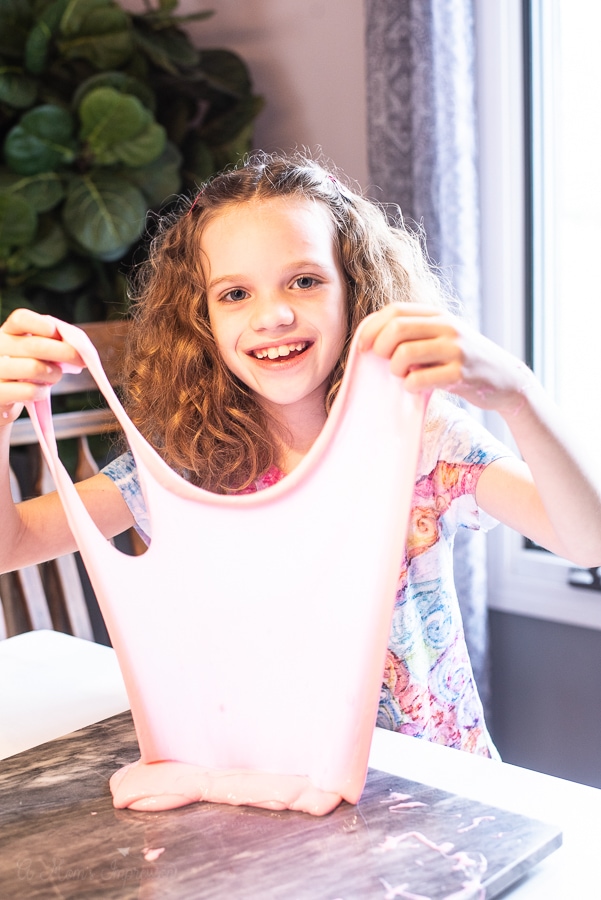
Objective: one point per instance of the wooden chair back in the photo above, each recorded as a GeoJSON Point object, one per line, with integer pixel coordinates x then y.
{"type": "Point", "coordinates": [51, 595]}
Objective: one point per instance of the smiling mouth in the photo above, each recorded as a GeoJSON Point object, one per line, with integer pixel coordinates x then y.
{"type": "Point", "coordinates": [283, 351]}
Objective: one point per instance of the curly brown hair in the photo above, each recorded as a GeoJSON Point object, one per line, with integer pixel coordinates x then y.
{"type": "Point", "coordinates": [201, 418]}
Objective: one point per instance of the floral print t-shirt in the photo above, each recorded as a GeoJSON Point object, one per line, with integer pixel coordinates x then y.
{"type": "Point", "coordinates": [428, 688]}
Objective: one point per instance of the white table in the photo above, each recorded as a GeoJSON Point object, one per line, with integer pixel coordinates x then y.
{"type": "Point", "coordinates": [52, 684]}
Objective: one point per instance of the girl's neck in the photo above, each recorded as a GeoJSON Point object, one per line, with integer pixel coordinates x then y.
{"type": "Point", "coordinates": [294, 431]}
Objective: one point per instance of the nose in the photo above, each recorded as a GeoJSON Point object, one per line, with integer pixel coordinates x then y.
{"type": "Point", "coordinates": [271, 312]}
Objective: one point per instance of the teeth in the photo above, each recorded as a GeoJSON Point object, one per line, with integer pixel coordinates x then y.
{"type": "Point", "coordinates": [275, 352]}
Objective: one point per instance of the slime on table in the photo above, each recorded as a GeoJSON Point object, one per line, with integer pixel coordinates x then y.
{"type": "Point", "coordinates": [168, 785]}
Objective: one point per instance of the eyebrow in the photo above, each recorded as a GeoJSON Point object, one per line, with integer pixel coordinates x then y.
{"type": "Point", "coordinates": [300, 264]}
{"type": "Point", "coordinates": [222, 279]}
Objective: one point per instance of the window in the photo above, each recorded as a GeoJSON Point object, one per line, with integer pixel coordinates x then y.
{"type": "Point", "coordinates": [538, 72]}
{"type": "Point", "coordinates": [565, 198]}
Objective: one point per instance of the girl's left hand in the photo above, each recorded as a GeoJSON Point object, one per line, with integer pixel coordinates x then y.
{"type": "Point", "coordinates": [431, 348]}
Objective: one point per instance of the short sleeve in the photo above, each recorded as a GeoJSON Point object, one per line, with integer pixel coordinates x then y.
{"type": "Point", "coordinates": [124, 473]}
{"type": "Point", "coordinates": [455, 451]}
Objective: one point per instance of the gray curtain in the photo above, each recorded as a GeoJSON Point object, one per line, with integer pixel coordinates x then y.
{"type": "Point", "coordinates": [422, 146]}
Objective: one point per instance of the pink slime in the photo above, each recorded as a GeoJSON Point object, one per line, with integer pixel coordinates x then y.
{"type": "Point", "coordinates": [252, 634]}
{"type": "Point", "coordinates": [167, 785]}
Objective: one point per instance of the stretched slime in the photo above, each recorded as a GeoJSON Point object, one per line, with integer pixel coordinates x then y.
{"type": "Point", "coordinates": [252, 633]}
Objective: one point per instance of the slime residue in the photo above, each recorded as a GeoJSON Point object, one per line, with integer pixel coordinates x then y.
{"type": "Point", "coordinates": [150, 854]}
{"type": "Point", "coordinates": [470, 866]}
{"type": "Point", "coordinates": [475, 822]}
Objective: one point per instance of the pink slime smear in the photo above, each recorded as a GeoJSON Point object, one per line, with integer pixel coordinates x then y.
{"type": "Point", "coordinates": [475, 822]}
{"type": "Point", "coordinates": [472, 867]}
{"type": "Point", "coordinates": [169, 785]}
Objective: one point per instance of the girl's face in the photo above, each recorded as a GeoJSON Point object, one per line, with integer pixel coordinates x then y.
{"type": "Point", "coordinates": [276, 297]}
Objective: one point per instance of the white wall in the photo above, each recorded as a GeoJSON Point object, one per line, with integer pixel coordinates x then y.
{"type": "Point", "coordinates": [307, 59]}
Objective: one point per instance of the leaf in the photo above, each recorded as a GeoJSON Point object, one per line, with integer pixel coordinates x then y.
{"type": "Point", "coordinates": [98, 31]}
{"type": "Point", "coordinates": [85, 308]}
{"type": "Point", "coordinates": [41, 141]}
{"type": "Point", "coordinates": [194, 17]}
{"type": "Point", "coordinates": [104, 213]}
{"type": "Point", "coordinates": [164, 18]}
{"type": "Point", "coordinates": [43, 191]}
{"type": "Point", "coordinates": [49, 246]}
{"type": "Point", "coordinates": [14, 263]}
{"type": "Point", "coordinates": [78, 14]}
{"type": "Point", "coordinates": [225, 71]}
{"type": "Point", "coordinates": [146, 147]}
{"type": "Point", "coordinates": [18, 221]}
{"type": "Point", "coordinates": [120, 81]}
{"type": "Point", "coordinates": [16, 18]}
{"type": "Point", "coordinates": [117, 128]}
{"type": "Point", "coordinates": [199, 163]}
{"type": "Point", "coordinates": [169, 48]}
{"type": "Point", "coordinates": [226, 127]}
{"type": "Point", "coordinates": [176, 113]}
{"type": "Point", "coordinates": [39, 39]}
{"type": "Point", "coordinates": [161, 179]}
{"type": "Point", "coordinates": [17, 89]}
{"type": "Point", "coordinates": [67, 276]}
{"type": "Point", "coordinates": [233, 147]}
{"type": "Point", "coordinates": [38, 48]}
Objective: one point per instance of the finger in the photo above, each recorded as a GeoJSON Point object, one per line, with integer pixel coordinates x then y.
{"type": "Point", "coordinates": [21, 392]}
{"type": "Point", "coordinates": [16, 369]}
{"type": "Point", "coordinates": [399, 331]}
{"type": "Point", "coordinates": [9, 412]}
{"type": "Point", "coordinates": [36, 346]}
{"type": "Point", "coordinates": [26, 321]}
{"type": "Point", "coordinates": [417, 354]}
{"type": "Point", "coordinates": [429, 378]}
{"type": "Point", "coordinates": [374, 323]}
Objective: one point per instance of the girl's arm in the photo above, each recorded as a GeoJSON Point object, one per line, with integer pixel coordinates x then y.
{"type": "Point", "coordinates": [553, 495]}
{"type": "Point", "coordinates": [30, 356]}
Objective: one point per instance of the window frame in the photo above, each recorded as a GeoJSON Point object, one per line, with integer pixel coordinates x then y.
{"type": "Point", "coordinates": [521, 580]}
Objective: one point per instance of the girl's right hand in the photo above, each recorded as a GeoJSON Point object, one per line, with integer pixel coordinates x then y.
{"type": "Point", "coordinates": [32, 354]}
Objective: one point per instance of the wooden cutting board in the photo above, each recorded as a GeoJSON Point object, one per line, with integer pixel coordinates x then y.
{"type": "Point", "coordinates": [61, 836]}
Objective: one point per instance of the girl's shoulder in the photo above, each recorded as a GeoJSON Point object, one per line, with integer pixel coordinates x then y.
{"type": "Point", "coordinates": [454, 435]}
{"type": "Point", "coordinates": [124, 473]}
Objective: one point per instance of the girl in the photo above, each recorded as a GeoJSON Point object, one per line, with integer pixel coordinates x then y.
{"type": "Point", "coordinates": [242, 322]}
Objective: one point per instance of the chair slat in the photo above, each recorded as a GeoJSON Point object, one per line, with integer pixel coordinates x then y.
{"type": "Point", "coordinates": [29, 588]}
{"type": "Point", "coordinates": [52, 596]}
{"type": "Point", "coordinates": [67, 425]}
